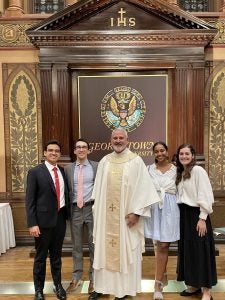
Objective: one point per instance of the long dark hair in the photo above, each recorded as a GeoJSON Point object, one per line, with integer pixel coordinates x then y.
{"type": "Point", "coordinates": [181, 172]}
{"type": "Point", "coordinates": [159, 143]}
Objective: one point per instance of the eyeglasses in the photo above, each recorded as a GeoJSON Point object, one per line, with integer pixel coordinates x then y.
{"type": "Point", "coordinates": [81, 147]}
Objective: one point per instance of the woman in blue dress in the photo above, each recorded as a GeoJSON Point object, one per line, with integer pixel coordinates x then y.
{"type": "Point", "coordinates": [163, 226]}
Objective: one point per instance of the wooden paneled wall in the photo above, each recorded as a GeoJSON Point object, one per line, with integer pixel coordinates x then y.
{"type": "Point", "coordinates": [54, 97]}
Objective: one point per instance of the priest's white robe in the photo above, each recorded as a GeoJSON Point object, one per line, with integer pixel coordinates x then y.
{"type": "Point", "coordinates": [119, 273]}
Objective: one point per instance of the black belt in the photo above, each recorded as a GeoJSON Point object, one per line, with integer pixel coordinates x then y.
{"type": "Point", "coordinates": [85, 203]}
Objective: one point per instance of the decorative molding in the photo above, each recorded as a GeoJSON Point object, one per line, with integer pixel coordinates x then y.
{"type": "Point", "coordinates": [85, 9]}
{"type": "Point", "coordinates": [124, 39]}
{"type": "Point", "coordinates": [98, 23]}
{"type": "Point", "coordinates": [217, 131]}
{"type": "Point", "coordinates": [14, 35]}
{"type": "Point", "coordinates": [22, 119]}
{"type": "Point", "coordinates": [220, 36]}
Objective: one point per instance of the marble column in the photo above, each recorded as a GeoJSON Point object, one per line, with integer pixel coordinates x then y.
{"type": "Point", "coordinates": [15, 8]}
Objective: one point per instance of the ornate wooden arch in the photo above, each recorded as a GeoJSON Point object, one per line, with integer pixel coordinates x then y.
{"type": "Point", "coordinates": [128, 36]}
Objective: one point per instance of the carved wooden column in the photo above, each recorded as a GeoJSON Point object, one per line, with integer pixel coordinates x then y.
{"type": "Point", "coordinates": [188, 100]}
{"type": "Point", "coordinates": [55, 105]}
{"type": "Point", "coordinates": [15, 8]}
{"type": "Point", "coordinates": [46, 99]}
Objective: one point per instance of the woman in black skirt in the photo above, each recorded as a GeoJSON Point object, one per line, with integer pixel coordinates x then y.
{"type": "Point", "coordinates": [196, 249]}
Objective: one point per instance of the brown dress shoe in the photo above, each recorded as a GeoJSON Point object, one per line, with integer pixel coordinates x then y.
{"type": "Point", "coordinates": [90, 287]}
{"type": "Point", "coordinates": [73, 286]}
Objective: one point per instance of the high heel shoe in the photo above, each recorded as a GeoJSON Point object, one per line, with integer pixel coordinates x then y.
{"type": "Point", "coordinates": [158, 294]}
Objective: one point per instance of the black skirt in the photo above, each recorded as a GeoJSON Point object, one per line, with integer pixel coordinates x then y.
{"type": "Point", "coordinates": [196, 255]}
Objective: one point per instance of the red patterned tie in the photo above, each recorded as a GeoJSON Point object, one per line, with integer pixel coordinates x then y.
{"type": "Point", "coordinates": [57, 186]}
{"type": "Point", "coordinates": [80, 197]}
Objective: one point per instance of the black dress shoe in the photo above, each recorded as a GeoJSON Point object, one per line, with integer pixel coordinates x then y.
{"type": "Point", "coordinates": [94, 295]}
{"type": "Point", "coordinates": [122, 298]}
{"type": "Point", "coordinates": [60, 292]}
{"type": "Point", "coordinates": [39, 295]}
{"type": "Point", "coordinates": [186, 293]}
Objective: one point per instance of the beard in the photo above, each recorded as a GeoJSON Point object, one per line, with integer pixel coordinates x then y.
{"type": "Point", "coordinates": [118, 148]}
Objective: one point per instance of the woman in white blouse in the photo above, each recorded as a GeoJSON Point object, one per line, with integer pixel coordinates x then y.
{"type": "Point", "coordinates": [196, 251]}
{"type": "Point", "coordinates": [163, 226]}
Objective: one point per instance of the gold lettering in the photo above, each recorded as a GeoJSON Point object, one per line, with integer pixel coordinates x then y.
{"type": "Point", "coordinates": [8, 33]}
{"type": "Point", "coordinates": [104, 146]}
{"type": "Point", "coordinates": [100, 146]}
{"type": "Point", "coordinates": [143, 153]}
{"type": "Point", "coordinates": [136, 146]}
{"type": "Point", "coordinates": [122, 20]}
{"type": "Point", "coordinates": [132, 22]}
{"type": "Point", "coordinates": [97, 146]}
{"type": "Point", "coordinates": [106, 120]}
{"type": "Point", "coordinates": [112, 22]}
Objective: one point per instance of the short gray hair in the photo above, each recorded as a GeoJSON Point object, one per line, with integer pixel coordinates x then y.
{"type": "Point", "coordinates": [120, 129]}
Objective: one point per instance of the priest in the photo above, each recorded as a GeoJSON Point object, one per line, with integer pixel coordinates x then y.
{"type": "Point", "coordinates": [123, 193]}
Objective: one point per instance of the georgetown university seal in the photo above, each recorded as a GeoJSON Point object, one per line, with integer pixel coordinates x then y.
{"type": "Point", "coordinates": [124, 107]}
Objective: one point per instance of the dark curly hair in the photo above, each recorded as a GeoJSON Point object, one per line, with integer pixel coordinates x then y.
{"type": "Point", "coordinates": [159, 143]}
{"type": "Point", "coordinates": [181, 172]}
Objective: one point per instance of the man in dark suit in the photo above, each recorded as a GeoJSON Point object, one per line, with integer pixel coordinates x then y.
{"type": "Point", "coordinates": [80, 176]}
{"type": "Point", "coordinates": [46, 207]}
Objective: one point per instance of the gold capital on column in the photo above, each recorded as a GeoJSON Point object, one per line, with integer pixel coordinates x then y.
{"type": "Point", "coordinates": [15, 8]}
{"type": "Point", "coordinates": [223, 7]}
{"type": "Point", "coordinates": [70, 2]}
{"type": "Point", "coordinates": [174, 2]}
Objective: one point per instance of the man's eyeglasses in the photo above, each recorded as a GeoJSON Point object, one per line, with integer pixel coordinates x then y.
{"type": "Point", "coordinates": [81, 147]}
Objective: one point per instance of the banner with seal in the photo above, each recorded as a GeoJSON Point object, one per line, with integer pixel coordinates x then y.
{"type": "Point", "coordinates": [137, 103]}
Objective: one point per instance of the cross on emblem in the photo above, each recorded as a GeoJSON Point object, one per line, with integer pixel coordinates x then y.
{"type": "Point", "coordinates": [121, 12]}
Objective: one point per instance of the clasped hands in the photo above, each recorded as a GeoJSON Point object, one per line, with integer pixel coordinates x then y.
{"type": "Point", "coordinates": [131, 219]}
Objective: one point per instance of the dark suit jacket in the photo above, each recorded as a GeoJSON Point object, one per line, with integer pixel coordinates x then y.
{"type": "Point", "coordinates": [69, 171]}
{"type": "Point", "coordinates": [41, 199]}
